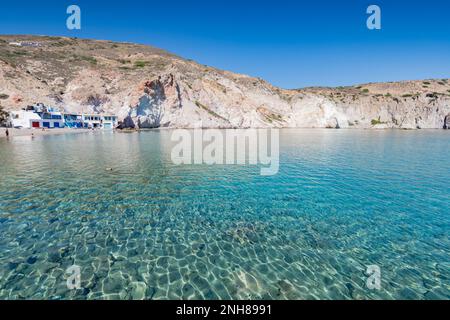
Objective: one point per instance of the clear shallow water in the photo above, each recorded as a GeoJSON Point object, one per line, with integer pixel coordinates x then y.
{"type": "Point", "coordinates": [343, 200]}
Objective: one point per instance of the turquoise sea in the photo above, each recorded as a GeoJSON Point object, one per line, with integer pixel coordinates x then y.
{"type": "Point", "coordinates": [343, 200]}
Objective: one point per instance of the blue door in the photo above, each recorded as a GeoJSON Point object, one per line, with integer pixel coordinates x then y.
{"type": "Point", "coordinates": [56, 124]}
{"type": "Point", "coordinates": [46, 124]}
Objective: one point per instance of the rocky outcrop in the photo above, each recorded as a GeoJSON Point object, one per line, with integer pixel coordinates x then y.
{"type": "Point", "coordinates": [149, 88]}
{"type": "Point", "coordinates": [148, 111]}
{"type": "Point", "coordinates": [447, 122]}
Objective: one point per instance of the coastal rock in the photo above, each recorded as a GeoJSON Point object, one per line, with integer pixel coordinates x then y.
{"type": "Point", "coordinates": [150, 88]}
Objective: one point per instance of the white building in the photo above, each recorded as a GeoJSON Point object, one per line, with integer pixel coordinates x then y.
{"type": "Point", "coordinates": [30, 119]}
{"type": "Point", "coordinates": [23, 119]}
{"type": "Point", "coordinates": [39, 116]}
{"type": "Point", "coordinates": [26, 44]}
{"type": "Point", "coordinates": [91, 121]}
{"type": "Point", "coordinates": [109, 121]}
{"type": "Point", "coordinates": [51, 120]}
{"type": "Point", "coordinates": [98, 121]}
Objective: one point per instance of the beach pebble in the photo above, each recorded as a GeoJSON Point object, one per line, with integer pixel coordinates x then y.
{"type": "Point", "coordinates": [138, 290]}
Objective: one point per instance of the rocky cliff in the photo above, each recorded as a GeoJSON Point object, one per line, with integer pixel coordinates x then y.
{"type": "Point", "coordinates": [150, 88]}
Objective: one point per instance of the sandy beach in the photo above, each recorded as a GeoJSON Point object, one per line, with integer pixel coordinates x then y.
{"type": "Point", "coordinates": [38, 132]}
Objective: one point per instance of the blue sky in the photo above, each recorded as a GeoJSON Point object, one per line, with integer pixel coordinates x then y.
{"type": "Point", "coordinates": [291, 44]}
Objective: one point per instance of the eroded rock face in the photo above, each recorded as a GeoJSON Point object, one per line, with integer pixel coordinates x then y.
{"type": "Point", "coordinates": [155, 98]}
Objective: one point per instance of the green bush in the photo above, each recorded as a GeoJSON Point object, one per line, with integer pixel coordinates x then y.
{"type": "Point", "coordinates": [140, 64]}
{"type": "Point", "coordinates": [89, 59]}
{"type": "Point", "coordinates": [377, 121]}
{"type": "Point", "coordinates": [20, 53]}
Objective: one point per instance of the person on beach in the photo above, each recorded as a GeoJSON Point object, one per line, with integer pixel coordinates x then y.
{"type": "Point", "coordinates": [7, 133]}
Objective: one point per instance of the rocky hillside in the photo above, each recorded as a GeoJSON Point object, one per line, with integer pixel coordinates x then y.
{"type": "Point", "coordinates": [148, 88]}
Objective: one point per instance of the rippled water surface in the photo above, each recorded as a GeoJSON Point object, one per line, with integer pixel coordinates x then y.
{"type": "Point", "coordinates": [342, 201]}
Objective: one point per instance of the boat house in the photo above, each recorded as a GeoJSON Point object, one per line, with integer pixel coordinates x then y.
{"type": "Point", "coordinates": [97, 121]}
{"type": "Point", "coordinates": [39, 116]}
{"type": "Point", "coordinates": [109, 121]}
{"type": "Point", "coordinates": [24, 119]}
{"type": "Point", "coordinates": [73, 120]}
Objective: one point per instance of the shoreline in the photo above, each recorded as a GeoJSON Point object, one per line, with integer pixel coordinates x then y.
{"type": "Point", "coordinates": [39, 132]}
{"type": "Point", "coordinates": [280, 128]}
{"type": "Point", "coordinates": [13, 132]}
